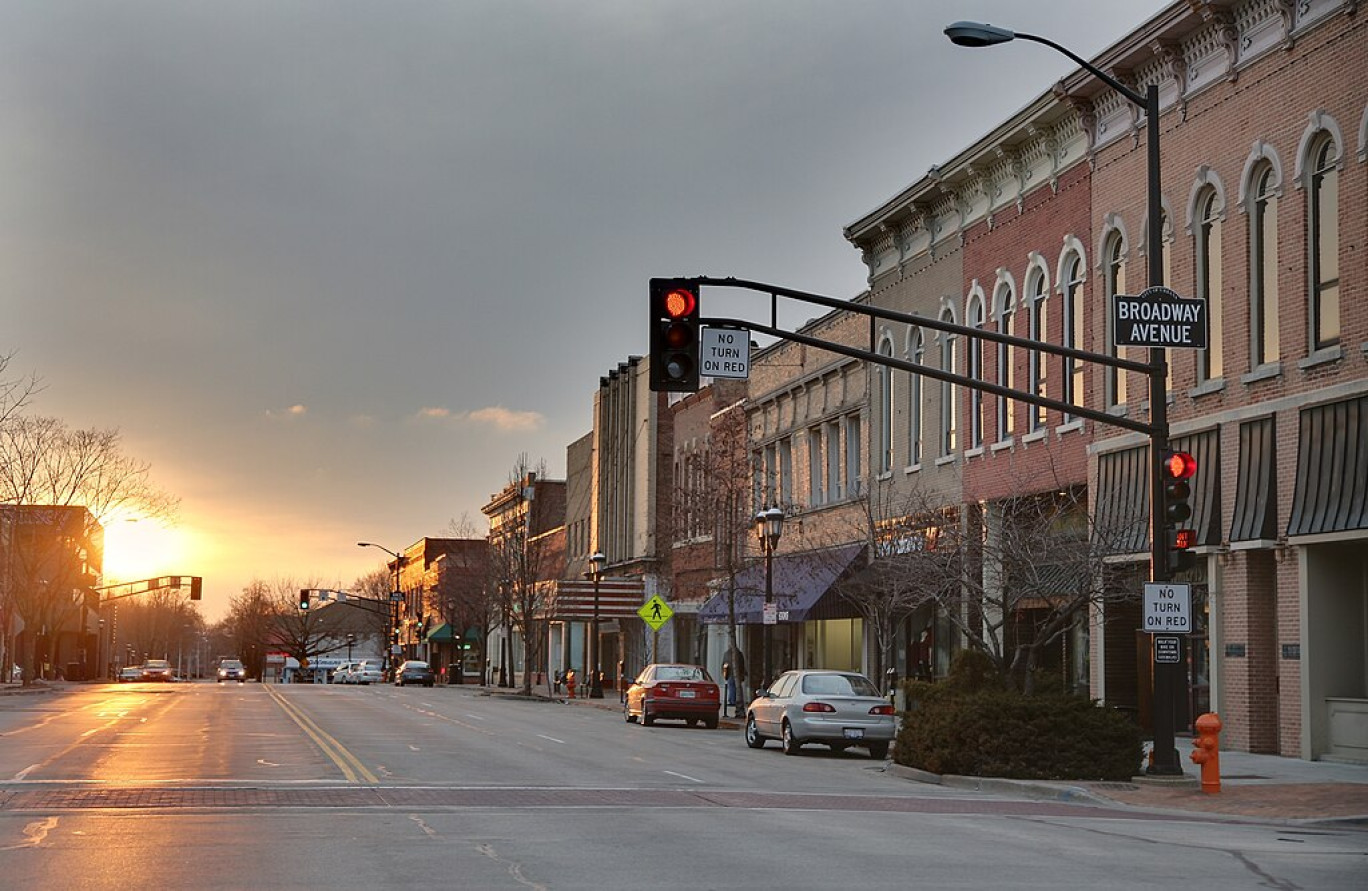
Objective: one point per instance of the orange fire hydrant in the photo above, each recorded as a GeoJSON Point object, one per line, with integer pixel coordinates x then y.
{"type": "Point", "coordinates": [1207, 752]}
{"type": "Point", "coordinates": [570, 682]}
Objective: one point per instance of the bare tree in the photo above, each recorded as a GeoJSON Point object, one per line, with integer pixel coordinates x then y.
{"type": "Point", "coordinates": [519, 558]}
{"type": "Point", "coordinates": [297, 632]}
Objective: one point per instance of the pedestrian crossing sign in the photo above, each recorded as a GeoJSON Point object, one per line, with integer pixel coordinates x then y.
{"type": "Point", "coordinates": [655, 612]}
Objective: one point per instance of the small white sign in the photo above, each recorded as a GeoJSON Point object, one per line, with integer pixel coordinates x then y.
{"type": "Point", "coordinates": [724, 352]}
{"type": "Point", "coordinates": [771, 615]}
{"type": "Point", "coordinates": [1168, 608]}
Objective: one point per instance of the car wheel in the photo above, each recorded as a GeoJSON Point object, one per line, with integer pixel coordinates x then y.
{"type": "Point", "coordinates": [710, 722]}
{"type": "Point", "coordinates": [218, 680]}
{"type": "Point", "coordinates": [753, 737]}
{"type": "Point", "coordinates": [647, 719]}
{"type": "Point", "coordinates": [692, 722]}
{"type": "Point", "coordinates": [878, 750]}
{"type": "Point", "coordinates": [791, 743]}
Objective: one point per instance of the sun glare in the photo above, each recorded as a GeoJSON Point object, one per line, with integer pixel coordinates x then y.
{"type": "Point", "coordinates": [141, 549]}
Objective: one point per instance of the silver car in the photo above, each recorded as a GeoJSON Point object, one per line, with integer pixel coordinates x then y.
{"type": "Point", "coordinates": [839, 709]}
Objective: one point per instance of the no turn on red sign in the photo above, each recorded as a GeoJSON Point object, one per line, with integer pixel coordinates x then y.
{"type": "Point", "coordinates": [1168, 608]}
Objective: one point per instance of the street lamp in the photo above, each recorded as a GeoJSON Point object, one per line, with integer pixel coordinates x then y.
{"type": "Point", "coordinates": [351, 639]}
{"type": "Point", "coordinates": [595, 573]}
{"type": "Point", "coordinates": [394, 593]}
{"type": "Point", "coordinates": [769, 525]}
{"type": "Point", "coordinates": [1166, 676]}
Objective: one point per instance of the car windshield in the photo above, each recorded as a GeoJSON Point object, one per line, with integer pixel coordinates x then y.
{"type": "Point", "coordinates": [230, 663]}
{"type": "Point", "coordinates": [418, 665]}
{"type": "Point", "coordinates": [158, 663]}
{"type": "Point", "coordinates": [681, 673]}
{"type": "Point", "coordinates": [839, 685]}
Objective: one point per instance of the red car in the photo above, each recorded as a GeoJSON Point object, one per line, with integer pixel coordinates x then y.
{"type": "Point", "coordinates": [673, 690]}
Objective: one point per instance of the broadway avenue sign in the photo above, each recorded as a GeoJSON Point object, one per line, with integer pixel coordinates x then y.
{"type": "Point", "coordinates": [1159, 318]}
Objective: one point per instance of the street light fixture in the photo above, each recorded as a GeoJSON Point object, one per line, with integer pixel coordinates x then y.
{"type": "Point", "coordinates": [1166, 676]}
{"type": "Point", "coordinates": [394, 595]}
{"type": "Point", "coordinates": [595, 573]}
{"type": "Point", "coordinates": [769, 526]}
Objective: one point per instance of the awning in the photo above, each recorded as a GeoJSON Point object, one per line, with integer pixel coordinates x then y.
{"type": "Point", "coordinates": [800, 581]}
{"type": "Point", "coordinates": [1256, 492]}
{"type": "Point", "coordinates": [440, 634]}
{"type": "Point", "coordinates": [1121, 507]}
{"type": "Point", "coordinates": [1332, 469]}
{"type": "Point", "coordinates": [1205, 446]}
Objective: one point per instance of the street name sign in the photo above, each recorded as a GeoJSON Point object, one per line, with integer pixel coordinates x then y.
{"type": "Point", "coordinates": [655, 612]}
{"type": "Point", "coordinates": [724, 352]}
{"type": "Point", "coordinates": [1158, 317]}
{"type": "Point", "coordinates": [1168, 608]}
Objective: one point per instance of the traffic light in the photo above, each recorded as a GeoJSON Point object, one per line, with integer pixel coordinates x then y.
{"type": "Point", "coordinates": [674, 336]}
{"type": "Point", "coordinates": [196, 588]}
{"type": "Point", "coordinates": [303, 598]}
{"type": "Point", "coordinates": [1178, 469]}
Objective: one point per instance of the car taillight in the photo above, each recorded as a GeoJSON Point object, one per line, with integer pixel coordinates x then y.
{"type": "Point", "coordinates": [818, 707]}
{"type": "Point", "coordinates": [881, 710]}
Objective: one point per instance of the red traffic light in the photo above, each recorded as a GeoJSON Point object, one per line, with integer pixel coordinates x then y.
{"type": "Point", "coordinates": [679, 302]}
{"type": "Point", "coordinates": [1180, 465]}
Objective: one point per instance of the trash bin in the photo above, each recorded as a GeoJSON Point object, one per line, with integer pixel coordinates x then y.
{"type": "Point", "coordinates": [455, 674]}
{"type": "Point", "coordinates": [75, 671]}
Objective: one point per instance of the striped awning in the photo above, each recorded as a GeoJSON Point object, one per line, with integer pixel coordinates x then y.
{"type": "Point", "coordinates": [1332, 469]}
{"type": "Point", "coordinates": [1256, 494]}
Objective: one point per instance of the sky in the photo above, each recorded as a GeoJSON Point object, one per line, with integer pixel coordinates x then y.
{"type": "Point", "coordinates": [331, 268]}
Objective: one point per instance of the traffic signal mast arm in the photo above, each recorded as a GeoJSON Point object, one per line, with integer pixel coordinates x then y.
{"type": "Point", "coordinates": [347, 598]}
{"type": "Point", "coordinates": [147, 586]}
{"type": "Point", "coordinates": [871, 354]}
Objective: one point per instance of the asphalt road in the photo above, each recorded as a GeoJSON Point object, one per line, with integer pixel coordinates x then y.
{"type": "Point", "coordinates": [250, 786]}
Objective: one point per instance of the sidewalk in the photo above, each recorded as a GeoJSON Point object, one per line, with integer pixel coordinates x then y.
{"type": "Point", "coordinates": [1263, 787]}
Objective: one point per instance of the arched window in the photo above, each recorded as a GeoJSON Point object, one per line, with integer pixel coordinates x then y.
{"type": "Point", "coordinates": [1071, 286]}
{"type": "Point", "coordinates": [917, 350]}
{"type": "Point", "coordinates": [1114, 282]}
{"type": "Point", "coordinates": [1038, 306]}
{"type": "Point", "coordinates": [1263, 268]}
{"type": "Point", "coordinates": [1207, 255]}
{"type": "Point", "coordinates": [1004, 303]}
{"type": "Point", "coordinates": [976, 319]}
{"type": "Point", "coordinates": [949, 394]}
{"type": "Point", "coordinates": [1323, 233]}
{"type": "Point", "coordinates": [885, 378]}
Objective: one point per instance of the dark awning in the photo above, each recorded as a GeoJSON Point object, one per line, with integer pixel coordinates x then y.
{"type": "Point", "coordinates": [440, 634]}
{"type": "Point", "coordinates": [1332, 469]}
{"type": "Point", "coordinates": [800, 580]}
{"type": "Point", "coordinates": [1205, 447]}
{"type": "Point", "coordinates": [1121, 507]}
{"type": "Point", "coordinates": [1256, 495]}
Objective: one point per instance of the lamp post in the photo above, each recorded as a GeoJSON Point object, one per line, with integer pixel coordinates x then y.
{"type": "Point", "coordinates": [1166, 676]}
{"type": "Point", "coordinates": [351, 639]}
{"type": "Point", "coordinates": [595, 573]}
{"type": "Point", "coordinates": [769, 525]}
{"type": "Point", "coordinates": [504, 594]}
{"type": "Point", "coordinates": [394, 603]}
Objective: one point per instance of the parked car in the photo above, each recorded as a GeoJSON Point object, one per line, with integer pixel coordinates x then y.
{"type": "Point", "coordinates": [673, 690]}
{"type": "Point", "coordinates": [839, 709]}
{"type": "Point", "coordinates": [232, 670]}
{"type": "Point", "coordinates": [368, 671]}
{"type": "Point", "coordinates": [414, 671]}
{"type": "Point", "coordinates": [156, 670]}
{"type": "Point", "coordinates": [342, 674]}
{"type": "Point", "coordinates": [130, 674]}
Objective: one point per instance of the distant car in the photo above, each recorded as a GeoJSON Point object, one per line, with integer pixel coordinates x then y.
{"type": "Point", "coordinates": [156, 670]}
{"type": "Point", "coordinates": [232, 670]}
{"type": "Point", "coordinates": [673, 690]}
{"type": "Point", "coordinates": [414, 672]}
{"type": "Point", "coordinates": [368, 671]}
{"type": "Point", "coordinates": [130, 674]}
{"type": "Point", "coordinates": [342, 674]}
{"type": "Point", "coordinates": [839, 709]}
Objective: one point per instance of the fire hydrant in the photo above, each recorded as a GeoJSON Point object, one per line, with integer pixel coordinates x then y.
{"type": "Point", "coordinates": [1207, 752]}
{"type": "Point", "coordinates": [570, 682]}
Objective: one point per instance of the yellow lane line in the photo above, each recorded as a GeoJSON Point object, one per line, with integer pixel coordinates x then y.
{"type": "Point", "coordinates": [349, 764]}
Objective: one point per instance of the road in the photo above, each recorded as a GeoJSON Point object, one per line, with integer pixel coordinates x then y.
{"type": "Point", "coordinates": [246, 786]}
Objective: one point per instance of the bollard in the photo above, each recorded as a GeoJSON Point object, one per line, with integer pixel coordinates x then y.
{"type": "Point", "coordinates": [1207, 751]}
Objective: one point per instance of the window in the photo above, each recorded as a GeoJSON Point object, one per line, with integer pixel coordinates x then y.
{"type": "Point", "coordinates": [786, 471]}
{"type": "Point", "coordinates": [816, 494]}
{"type": "Point", "coordinates": [885, 394]}
{"type": "Point", "coordinates": [1004, 301]}
{"type": "Point", "coordinates": [1263, 269]}
{"type": "Point", "coordinates": [975, 347]}
{"type": "Point", "coordinates": [1040, 327]}
{"type": "Point", "coordinates": [1210, 361]}
{"type": "Point", "coordinates": [1114, 280]}
{"type": "Point", "coordinates": [1072, 286]}
{"type": "Point", "coordinates": [771, 473]}
{"type": "Point", "coordinates": [835, 491]}
{"type": "Point", "coordinates": [1324, 247]}
{"type": "Point", "coordinates": [949, 410]}
{"type": "Point", "coordinates": [852, 455]}
{"type": "Point", "coordinates": [914, 403]}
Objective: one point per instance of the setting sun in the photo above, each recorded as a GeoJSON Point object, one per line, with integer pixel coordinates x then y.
{"type": "Point", "coordinates": [139, 549]}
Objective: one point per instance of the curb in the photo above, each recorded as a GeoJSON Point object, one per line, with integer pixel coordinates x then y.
{"type": "Point", "coordinates": [1037, 790]}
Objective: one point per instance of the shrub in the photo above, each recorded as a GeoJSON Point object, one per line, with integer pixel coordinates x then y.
{"type": "Point", "coordinates": [972, 726]}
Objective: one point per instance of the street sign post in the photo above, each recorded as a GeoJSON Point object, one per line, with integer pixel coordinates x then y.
{"type": "Point", "coordinates": [1159, 319]}
{"type": "Point", "coordinates": [1168, 608]}
{"type": "Point", "coordinates": [725, 353]}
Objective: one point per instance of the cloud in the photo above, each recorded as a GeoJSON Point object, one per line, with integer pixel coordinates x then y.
{"type": "Point", "coordinates": [434, 413]}
{"type": "Point", "coordinates": [294, 411]}
{"type": "Point", "coordinates": [506, 419]}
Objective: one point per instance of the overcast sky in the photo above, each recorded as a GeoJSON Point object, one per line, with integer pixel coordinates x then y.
{"type": "Point", "coordinates": [331, 267]}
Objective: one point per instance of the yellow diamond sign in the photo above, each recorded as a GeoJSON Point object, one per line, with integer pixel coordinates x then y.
{"type": "Point", "coordinates": [655, 612]}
